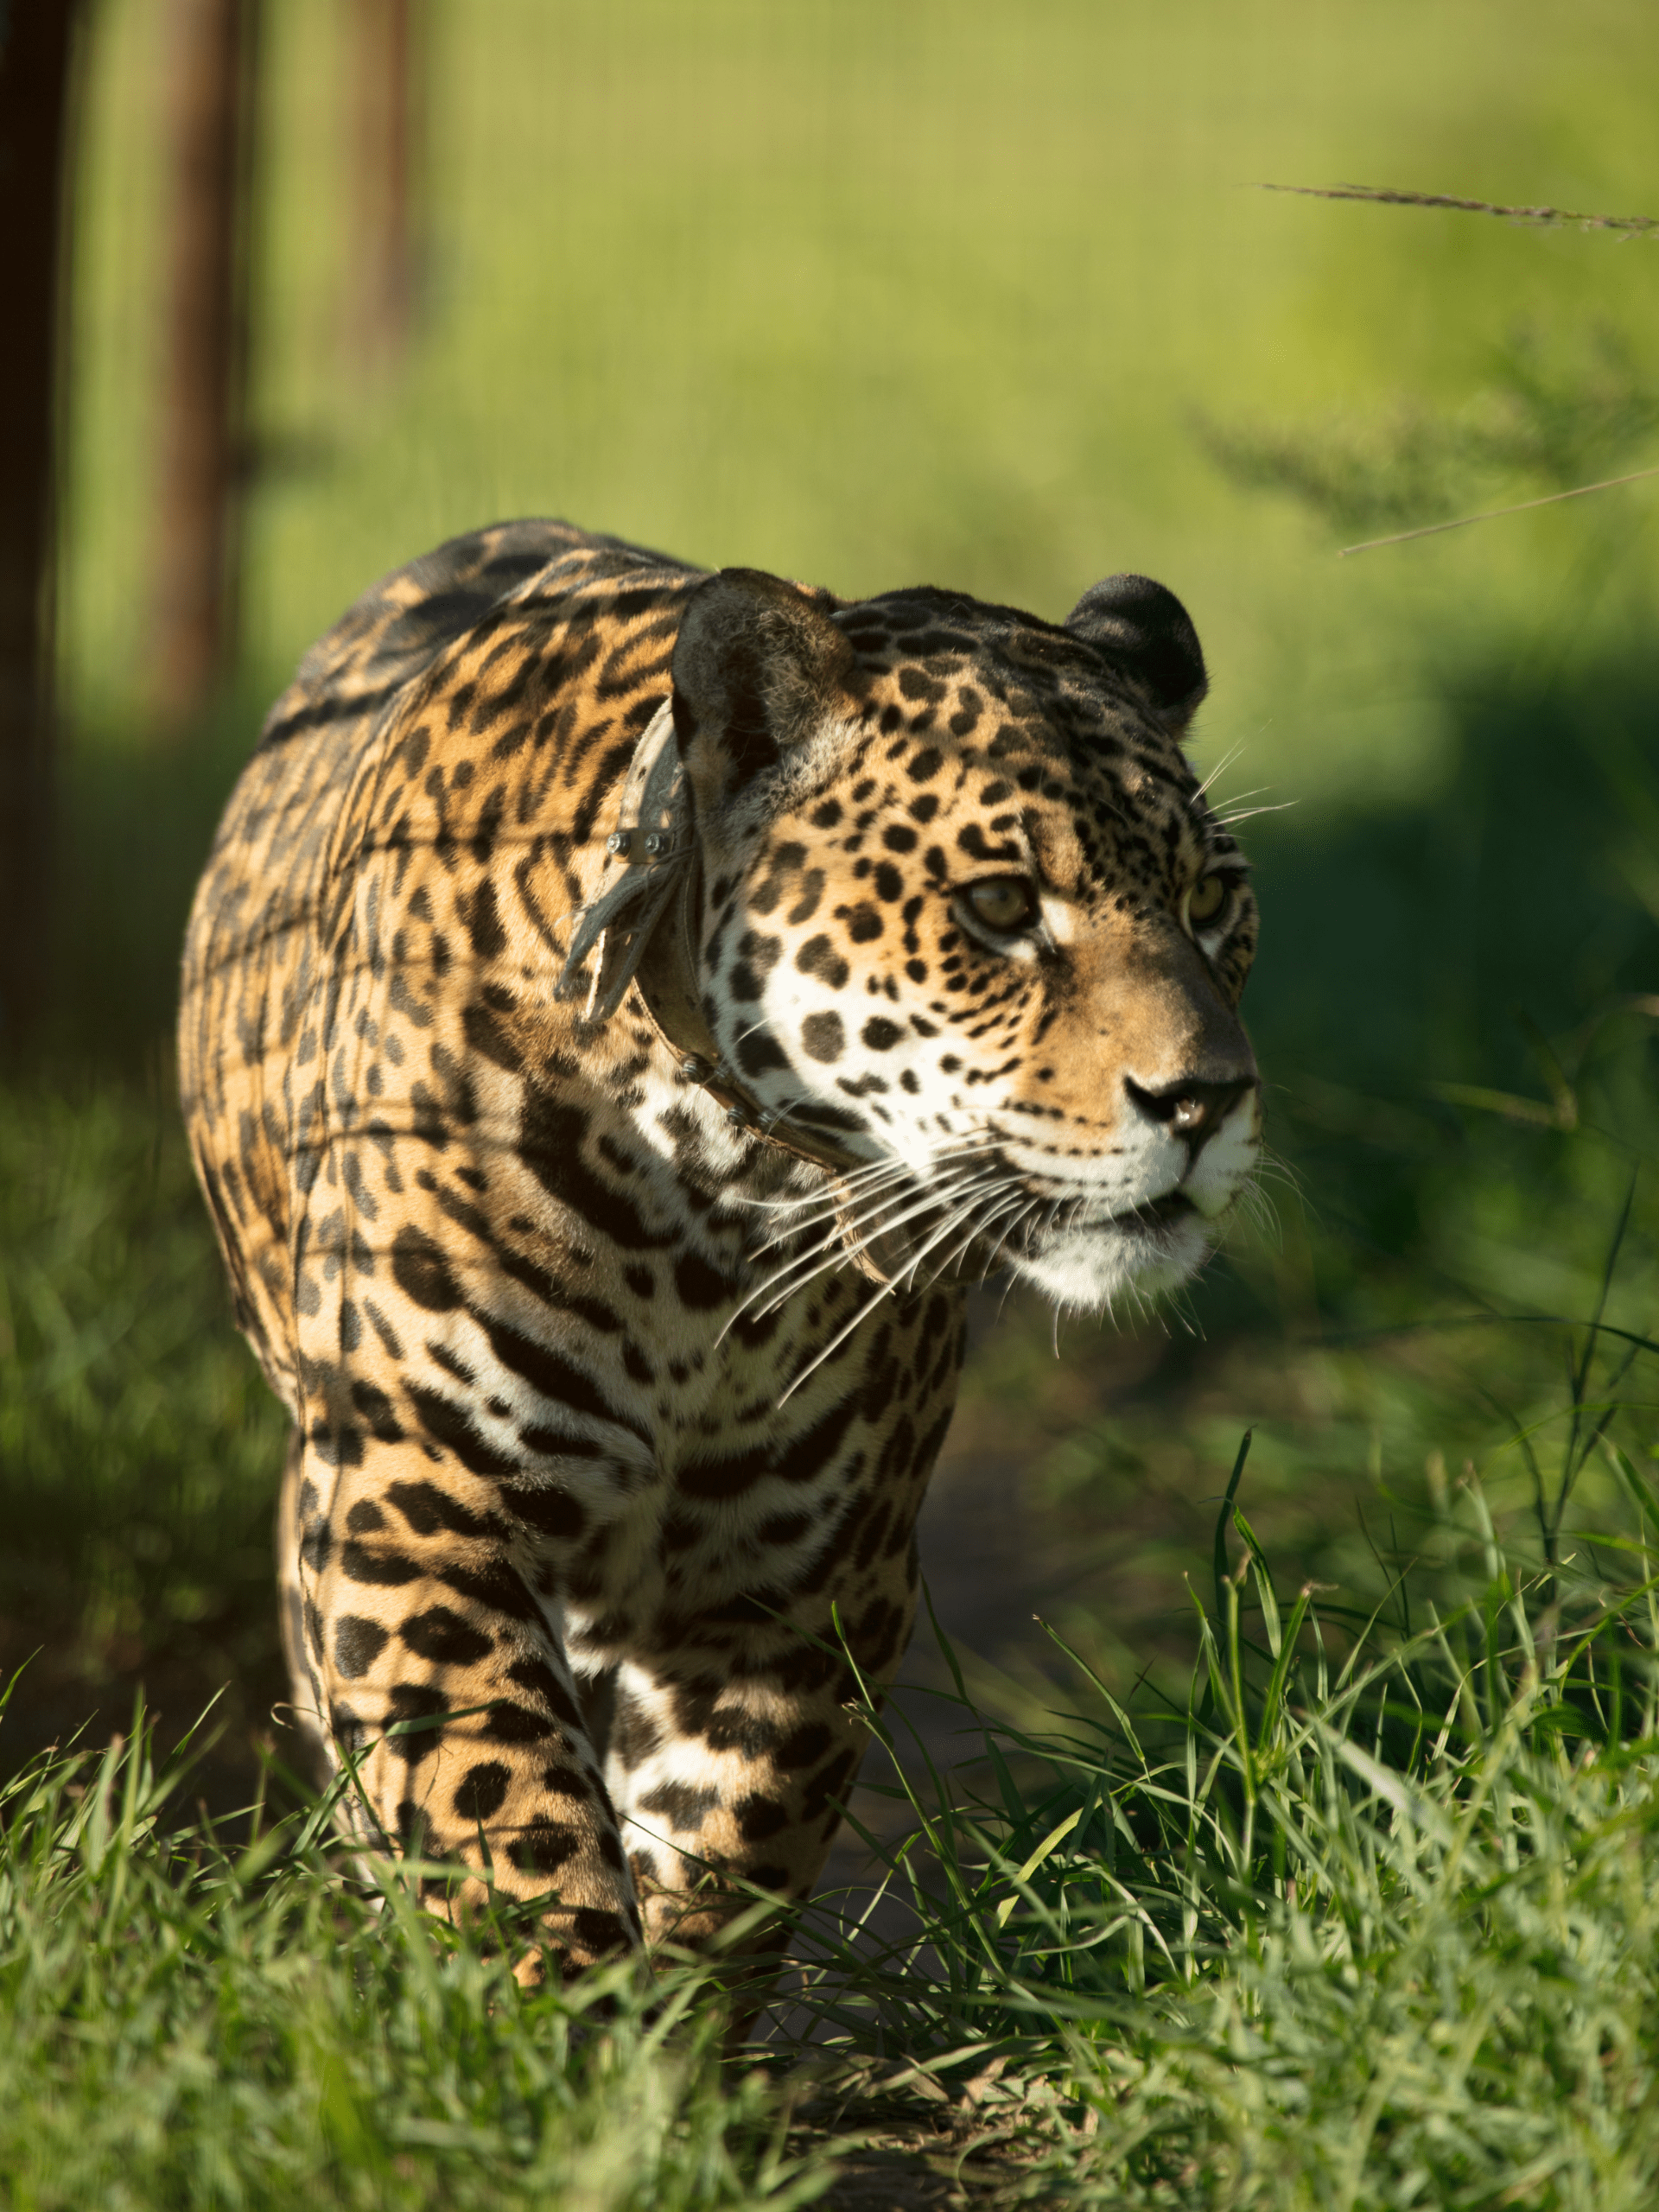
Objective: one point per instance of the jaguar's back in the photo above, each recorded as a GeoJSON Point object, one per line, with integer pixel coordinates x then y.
{"type": "Point", "coordinates": [267, 960]}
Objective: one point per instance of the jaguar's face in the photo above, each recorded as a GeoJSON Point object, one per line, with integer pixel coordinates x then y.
{"type": "Point", "coordinates": [967, 909]}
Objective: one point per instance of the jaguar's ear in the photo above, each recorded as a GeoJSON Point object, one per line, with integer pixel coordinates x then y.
{"type": "Point", "coordinates": [1147, 632]}
{"type": "Point", "coordinates": [756, 664]}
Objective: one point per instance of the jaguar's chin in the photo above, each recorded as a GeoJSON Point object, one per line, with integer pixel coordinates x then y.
{"type": "Point", "coordinates": [1088, 1268]}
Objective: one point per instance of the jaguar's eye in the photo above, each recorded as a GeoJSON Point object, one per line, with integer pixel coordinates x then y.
{"type": "Point", "coordinates": [1003, 903]}
{"type": "Point", "coordinates": [1206, 901]}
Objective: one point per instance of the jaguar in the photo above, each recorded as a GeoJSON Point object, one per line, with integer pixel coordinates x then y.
{"type": "Point", "coordinates": [624, 1009]}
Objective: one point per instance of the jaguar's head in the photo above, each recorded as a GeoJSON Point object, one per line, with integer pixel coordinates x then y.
{"type": "Point", "coordinates": [965, 908]}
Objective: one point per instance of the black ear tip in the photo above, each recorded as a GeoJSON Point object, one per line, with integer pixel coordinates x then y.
{"type": "Point", "coordinates": [1139, 624]}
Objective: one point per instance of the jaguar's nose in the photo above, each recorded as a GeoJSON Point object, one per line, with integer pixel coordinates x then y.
{"type": "Point", "coordinates": [1189, 1110]}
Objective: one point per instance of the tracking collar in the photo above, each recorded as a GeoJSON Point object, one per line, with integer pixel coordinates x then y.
{"type": "Point", "coordinates": [640, 927]}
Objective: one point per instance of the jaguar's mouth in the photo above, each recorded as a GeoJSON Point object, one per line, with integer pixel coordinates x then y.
{"type": "Point", "coordinates": [1146, 1226]}
{"type": "Point", "coordinates": [1085, 1261]}
{"type": "Point", "coordinates": [1152, 1213]}
{"type": "Point", "coordinates": [1146, 1214]}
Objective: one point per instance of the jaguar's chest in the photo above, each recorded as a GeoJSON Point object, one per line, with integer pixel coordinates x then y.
{"type": "Point", "coordinates": [733, 1422]}
{"type": "Point", "coordinates": [598, 1285]}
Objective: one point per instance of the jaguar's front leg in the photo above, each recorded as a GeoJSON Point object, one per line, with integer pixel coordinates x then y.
{"type": "Point", "coordinates": [430, 1662]}
{"type": "Point", "coordinates": [729, 1766]}
{"type": "Point", "coordinates": [789, 1583]}
{"type": "Point", "coordinates": [724, 1793]}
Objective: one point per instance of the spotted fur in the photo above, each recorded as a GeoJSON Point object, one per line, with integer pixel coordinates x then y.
{"type": "Point", "coordinates": [597, 1432]}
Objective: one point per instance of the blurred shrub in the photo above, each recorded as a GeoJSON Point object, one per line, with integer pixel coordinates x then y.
{"type": "Point", "coordinates": [139, 1446]}
{"type": "Point", "coordinates": [1552, 417]}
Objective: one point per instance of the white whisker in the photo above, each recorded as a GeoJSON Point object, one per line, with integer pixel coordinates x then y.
{"type": "Point", "coordinates": [1261, 1213]}
{"type": "Point", "coordinates": [1276, 1166]}
{"type": "Point", "coordinates": [886, 1290]}
{"type": "Point", "coordinates": [1244, 813]}
{"type": "Point", "coordinates": [844, 1199]}
{"type": "Point", "coordinates": [826, 1210]}
{"type": "Point", "coordinates": [932, 1201]}
{"type": "Point", "coordinates": [839, 1338]}
{"type": "Point", "coordinates": [1012, 1231]}
{"type": "Point", "coordinates": [1220, 768]}
{"type": "Point", "coordinates": [834, 1201]}
{"type": "Point", "coordinates": [948, 1228]}
{"type": "Point", "coordinates": [836, 1250]}
{"type": "Point", "coordinates": [978, 1230]}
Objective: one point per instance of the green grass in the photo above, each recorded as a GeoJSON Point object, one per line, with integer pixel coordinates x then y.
{"type": "Point", "coordinates": [139, 1446]}
{"type": "Point", "coordinates": [1361, 1922]}
{"type": "Point", "coordinates": [193, 2021]}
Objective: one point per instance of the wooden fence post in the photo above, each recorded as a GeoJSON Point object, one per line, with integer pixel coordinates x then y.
{"type": "Point", "coordinates": [387, 125]}
{"type": "Point", "coordinates": [37, 84]}
{"type": "Point", "coordinates": [202, 446]}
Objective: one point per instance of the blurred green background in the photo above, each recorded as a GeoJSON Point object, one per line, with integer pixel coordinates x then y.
{"type": "Point", "coordinates": [980, 295]}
